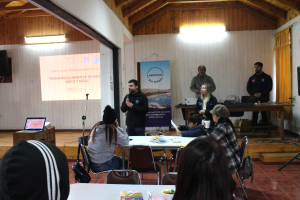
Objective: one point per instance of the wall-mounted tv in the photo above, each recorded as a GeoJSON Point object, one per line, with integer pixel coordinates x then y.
{"type": "Point", "coordinates": [4, 66]}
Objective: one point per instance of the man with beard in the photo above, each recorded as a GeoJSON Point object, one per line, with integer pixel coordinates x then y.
{"type": "Point", "coordinates": [136, 105]}
{"type": "Point", "coordinates": [260, 85]}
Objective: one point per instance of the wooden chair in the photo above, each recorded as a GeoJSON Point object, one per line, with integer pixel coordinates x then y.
{"type": "Point", "coordinates": [86, 162]}
{"type": "Point", "coordinates": [129, 177]}
{"type": "Point", "coordinates": [141, 159]}
{"type": "Point", "coordinates": [169, 178]}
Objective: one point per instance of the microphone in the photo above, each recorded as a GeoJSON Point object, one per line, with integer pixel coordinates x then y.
{"type": "Point", "coordinates": [127, 95]}
{"type": "Point", "coordinates": [87, 96]}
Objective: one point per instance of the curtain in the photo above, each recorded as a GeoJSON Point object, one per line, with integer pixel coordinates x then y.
{"type": "Point", "coordinates": [283, 70]}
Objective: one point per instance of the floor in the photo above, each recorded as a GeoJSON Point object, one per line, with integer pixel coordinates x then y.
{"type": "Point", "coordinates": [269, 183]}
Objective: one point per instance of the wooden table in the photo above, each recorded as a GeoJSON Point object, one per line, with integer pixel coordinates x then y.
{"type": "Point", "coordinates": [48, 135]}
{"type": "Point", "coordinates": [189, 109]}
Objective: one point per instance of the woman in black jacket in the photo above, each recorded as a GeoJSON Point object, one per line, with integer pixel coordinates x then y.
{"type": "Point", "coordinates": [205, 103]}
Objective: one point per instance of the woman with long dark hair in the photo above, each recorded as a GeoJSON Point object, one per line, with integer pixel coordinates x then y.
{"type": "Point", "coordinates": [104, 137]}
{"type": "Point", "coordinates": [203, 173]}
{"type": "Point", "coordinates": [224, 133]}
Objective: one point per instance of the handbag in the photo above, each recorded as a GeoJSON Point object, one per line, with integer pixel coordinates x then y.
{"type": "Point", "coordinates": [247, 168]}
{"type": "Point", "coordinates": [80, 173]}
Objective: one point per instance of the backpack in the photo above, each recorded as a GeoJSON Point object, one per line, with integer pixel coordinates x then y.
{"type": "Point", "coordinates": [247, 168]}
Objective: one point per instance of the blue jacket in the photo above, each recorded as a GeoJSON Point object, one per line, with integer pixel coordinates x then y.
{"type": "Point", "coordinates": [194, 132]}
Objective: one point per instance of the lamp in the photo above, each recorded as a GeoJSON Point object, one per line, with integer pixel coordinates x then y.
{"type": "Point", "coordinates": [203, 29]}
{"type": "Point", "coordinates": [45, 39]}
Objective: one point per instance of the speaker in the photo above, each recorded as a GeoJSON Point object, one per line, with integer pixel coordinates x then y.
{"type": "Point", "coordinates": [4, 66]}
{"type": "Point", "coordinates": [298, 79]}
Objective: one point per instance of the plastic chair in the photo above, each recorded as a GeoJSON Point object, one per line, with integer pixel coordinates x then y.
{"type": "Point", "coordinates": [244, 146]}
{"type": "Point", "coordinates": [176, 160]}
{"type": "Point", "coordinates": [141, 159]}
{"type": "Point", "coordinates": [130, 177]}
{"type": "Point", "coordinates": [86, 162]}
{"type": "Point", "coordinates": [162, 158]}
{"type": "Point", "coordinates": [169, 178]}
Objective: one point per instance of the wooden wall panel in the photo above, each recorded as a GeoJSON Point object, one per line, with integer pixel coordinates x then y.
{"type": "Point", "coordinates": [118, 11]}
{"type": "Point", "coordinates": [22, 98]}
{"type": "Point", "coordinates": [229, 61]}
{"type": "Point", "coordinates": [233, 18]}
{"type": "Point", "coordinates": [13, 31]}
{"type": "Point", "coordinates": [291, 14]}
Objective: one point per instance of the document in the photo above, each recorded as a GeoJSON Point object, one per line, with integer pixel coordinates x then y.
{"type": "Point", "coordinates": [174, 125]}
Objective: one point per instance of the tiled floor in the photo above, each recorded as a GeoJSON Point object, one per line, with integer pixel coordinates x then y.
{"type": "Point", "coordinates": [269, 183]}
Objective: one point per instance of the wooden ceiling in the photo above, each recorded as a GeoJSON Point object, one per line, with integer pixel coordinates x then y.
{"type": "Point", "coordinates": [139, 11]}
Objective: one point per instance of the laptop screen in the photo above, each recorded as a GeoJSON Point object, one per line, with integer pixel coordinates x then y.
{"type": "Point", "coordinates": [35, 123]}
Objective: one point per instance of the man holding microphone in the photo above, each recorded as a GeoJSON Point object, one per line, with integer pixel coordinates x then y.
{"type": "Point", "coordinates": [136, 105]}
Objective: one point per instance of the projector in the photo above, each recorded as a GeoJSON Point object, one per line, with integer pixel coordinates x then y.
{"type": "Point", "coordinates": [47, 124]}
{"type": "Point", "coordinates": [190, 101]}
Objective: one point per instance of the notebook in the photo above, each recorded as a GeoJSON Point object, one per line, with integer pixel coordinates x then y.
{"type": "Point", "coordinates": [248, 99]}
{"type": "Point", "coordinates": [34, 124]}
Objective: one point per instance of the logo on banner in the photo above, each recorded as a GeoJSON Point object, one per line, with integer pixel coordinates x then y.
{"type": "Point", "coordinates": [155, 74]}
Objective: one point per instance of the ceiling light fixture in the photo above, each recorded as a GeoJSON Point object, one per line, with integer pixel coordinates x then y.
{"type": "Point", "coordinates": [45, 39]}
{"type": "Point", "coordinates": [203, 29]}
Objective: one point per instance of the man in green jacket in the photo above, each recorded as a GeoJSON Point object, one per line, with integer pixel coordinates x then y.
{"type": "Point", "coordinates": [200, 79]}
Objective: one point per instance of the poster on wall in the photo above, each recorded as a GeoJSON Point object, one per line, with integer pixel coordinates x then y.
{"type": "Point", "coordinates": [156, 85]}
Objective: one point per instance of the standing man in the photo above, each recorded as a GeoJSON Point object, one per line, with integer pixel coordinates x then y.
{"type": "Point", "coordinates": [260, 85]}
{"type": "Point", "coordinates": [201, 78]}
{"type": "Point", "coordinates": [136, 105]}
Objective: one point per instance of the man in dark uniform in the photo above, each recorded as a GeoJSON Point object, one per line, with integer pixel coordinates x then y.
{"type": "Point", "coordinates": [136, 105]}
{"type": "Point", "coordinates": [260, 85]}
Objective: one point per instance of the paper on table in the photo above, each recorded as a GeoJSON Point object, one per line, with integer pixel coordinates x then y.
{"type": "Point", "coordinates": [174, 125]}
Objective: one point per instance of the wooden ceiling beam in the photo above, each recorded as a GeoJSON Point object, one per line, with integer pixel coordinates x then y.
{"type": "Point", "coordinates": [148, 19]}
{"type": "Point", "coordinates": [19, 8]}
{"type": "Point", "coordinates": [197, 1]}
{"type": "Point", "coordinates": [269, 8]}
{"type": "Point", "coordinates": [7, 17]}
{"type": "Point", "coordinates": [147, 11]}
{"type": "Point", "coordinates": [216, 5]}
{"type": "Point", "coordinates": [140, 4]}
{"type": "Point", "coordinates": [291, 3]}
{"type": "Point", "coordinates": [117, 2]}
{"type": "Point", "coordinates": [5, 1]}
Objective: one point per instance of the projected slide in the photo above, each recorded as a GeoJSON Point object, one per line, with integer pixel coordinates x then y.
{"type": "Point", "coordinates": [70, 77]}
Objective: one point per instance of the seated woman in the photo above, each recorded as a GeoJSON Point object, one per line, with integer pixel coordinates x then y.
{"type": "Point", "coordinates": [224, 133]}
{"type": "Point", "coordinates": [104, 137]}
{"type": "Point", "coordinates": [203, 173]}
{"type": "Point", "coordinates": [206, 103]}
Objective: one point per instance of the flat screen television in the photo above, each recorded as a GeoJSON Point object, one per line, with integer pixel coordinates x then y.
{"type": "Point", "coordinates": [4, 66]}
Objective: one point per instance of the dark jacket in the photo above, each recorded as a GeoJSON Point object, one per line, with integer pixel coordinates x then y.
{"type": "Point", "coordinates": [260, 84]}
{"type": "Point", "coordinates": [136, 115]}
{"type": "Point", "coordinates": [209, 106]}
{"type": "Point", "coordinates": [194, 132]}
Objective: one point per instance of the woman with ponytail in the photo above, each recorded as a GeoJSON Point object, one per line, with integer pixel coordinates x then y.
{"type": "Point", "coordinates": [104, 137]}
{"type": "Point", "coordinates": [224, 133]}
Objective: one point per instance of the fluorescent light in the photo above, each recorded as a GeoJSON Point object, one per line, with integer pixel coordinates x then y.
{"type": "Point", "coordinates": [203, 29]}
{"type": "Point", "coordinates": [45, 39]}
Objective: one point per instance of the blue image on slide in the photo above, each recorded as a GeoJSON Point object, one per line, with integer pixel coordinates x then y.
{"type": "Point", "coordinates": [96, 60]}
{"type": "Point", "coordinates": [86, 60]}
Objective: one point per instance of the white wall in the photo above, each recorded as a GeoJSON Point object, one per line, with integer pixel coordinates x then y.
{"type": "Point", "coordinates": [294, 125]}
{"type": "Point", "coordinates": [22, 98]}
{"type": "Point", "coordinates": [229, 61]}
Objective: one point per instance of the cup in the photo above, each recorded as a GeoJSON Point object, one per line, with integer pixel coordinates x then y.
{"type": "Point", "coordinates": [202, 123]}
{"type": "Point", "coordinates": [207, 124]}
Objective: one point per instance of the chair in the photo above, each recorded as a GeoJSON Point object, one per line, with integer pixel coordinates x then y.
{"type": "Point", "coordinates": [176, 160]}
{"type": "Point", "coordinates": [244, 146]}
{"type": "Point", "coordinates": [130, 177]}
{"type": "Point", "coordinates": [169, 178]}
{"type": "Point", "coordinates": [141, 159]}
{"type": "Point", "coordinates": [86, 162]}
{"type": "Point", "coordinates": [162, 158]}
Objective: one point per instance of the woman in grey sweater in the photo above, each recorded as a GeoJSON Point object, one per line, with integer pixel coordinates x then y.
{"type": "Point", "coordinates": [104, 137]}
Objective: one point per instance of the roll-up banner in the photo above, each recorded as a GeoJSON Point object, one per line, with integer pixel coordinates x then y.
{"type": "Point", "coordinates": [156, 85]}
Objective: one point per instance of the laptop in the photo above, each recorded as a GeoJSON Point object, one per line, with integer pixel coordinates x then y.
{"type": "Point", "coordinates": [34, 125]}
{"type": "Point", "coordinates": [191, 101]}
{"type": "Point", "coordinates": [248, 99]}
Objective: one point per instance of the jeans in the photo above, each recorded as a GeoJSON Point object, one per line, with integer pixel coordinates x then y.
{"type": "Point", "coordinates": [135, 131]}
{"type": "Point", "coordinates": [114, 163]}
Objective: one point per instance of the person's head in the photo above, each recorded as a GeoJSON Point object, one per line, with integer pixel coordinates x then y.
{"type": "Point", "coordinates": [201, 70]}
{"type": "Point", "coordinates": [133, 86]}
{"type": "Point", "coordinates": [203, 173]}
{"type": "Point", "coordinates": [34, 170]}
{"type": "Point", "coordinates": [258, 67]}
{"type": "Point", "coordinates": [109, 115]}
{"type": "Point", "coordinates": [194, 121]}
{"type": "Point", "coordinates": [219, 111]}
{"type": "Point", "coordinates": [205, 90]}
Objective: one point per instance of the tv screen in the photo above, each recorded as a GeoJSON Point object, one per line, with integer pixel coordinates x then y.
{"type": "Point", "coordinates": [4, 66]}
